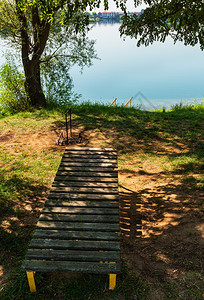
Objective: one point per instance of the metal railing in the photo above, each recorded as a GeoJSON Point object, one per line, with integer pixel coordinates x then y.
{"type": "Point", "coordinates": [70, 125]}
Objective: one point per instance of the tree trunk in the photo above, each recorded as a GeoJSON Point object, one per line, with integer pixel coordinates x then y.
{"type": "Point", "coordinates": [31, 52]}
{"type": "Point", "coordinates": [33, 85]}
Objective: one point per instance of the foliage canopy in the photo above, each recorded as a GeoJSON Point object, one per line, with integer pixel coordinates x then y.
{"type": "Point", "coordinates": [47, 32]}
{"type": "Point", "coordinates": [183, 20]}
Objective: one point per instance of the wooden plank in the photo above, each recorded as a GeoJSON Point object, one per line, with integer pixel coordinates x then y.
{"type": "Point", "coordinates": [88, 164]}
{"type": "Point", "coordinates": [85, 151]}
{"type": "Point", "coordinates": [95, 150]}
{"type": "Point", "coordinates": [85, 190]}
{"type": "Point", "coordinates": [89, 148]}
{"type": "Point", "coordinates": [70, 196]}
{"type": "Point", "coordinates": [78, 255]}
{"type": "Point", "coordinates": [64, 266]}
{"type": "Point", "coordinates": [87, 169]}
{"type": "Point", "coordinates": [90, 152]}
{"type": "Point", "coordinates": [108, 227]}
{"type": "Point", "coordinates": [57, 203]}
{"type": "Point", "coordinates": [91, 156]}
{"type": "Point", "coordinates": [85, 184]}
{"type": "Point", "coordinates": [113, 174]}
{"type": "Point", "coordinates": [73, 235]}
{"type": "Point", "coordinates": [74, 245]}
{"type": "Point", "coordinates": [88, 160]}
{"type": "Point", "coordinates": [67, 177]}
{"type": "Point", "coordinates": [80, 218]}
{"type": "Point", "coordinates": [80, 210]}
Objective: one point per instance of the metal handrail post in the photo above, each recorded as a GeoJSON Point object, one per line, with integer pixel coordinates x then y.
{"type": "Point", "coordinates": [70, 121]}
{"type": "Point", "coordinates": [66, 130]}
{"type": "Point", "coordinates": [70, 125]}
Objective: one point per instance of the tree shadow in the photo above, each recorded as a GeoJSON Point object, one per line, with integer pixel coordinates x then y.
{"type": "Point", "coordinates": [132, 129]}
{"type": "Point", "coordinates": [162, 232]}
{"type": "Point", "coordinates": [20, 204]}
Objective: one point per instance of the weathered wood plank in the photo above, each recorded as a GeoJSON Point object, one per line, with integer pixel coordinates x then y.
{"type": "Point", "coordinates": [80, 210]}
{"type": "Point", "coordinates": [82, 159]}
{"type": "Point", "coordinates": [80, 218]}
{"type": "Point", "coordinates": [88, 164]}
{"type": "Point", "coordinates": [91, 156]}
{"type": "Point", "coordinates": [95, 156]}
{"type": "Point", "coordinates": [85, 184]}
{"type": "Point", "coordinates": [90, 152]}
{"type": "Point", "coordinates": [87, 169]}
{"type": "Point", "coordinates": [74, 245]}
{"type": "Point", "coordinates": [74, 235]}
{"type": "Point", "coordinates": [85, 190]}
{"type": "Point", "coordinates": [59, 203]}
{"type": "Point", "coordinates": [71, 196]}
{"type": "Point", "coordinates": [113, 174]}
{"type": "Point", "coordinates": [79, 226]}
{"type": "Point", "coordinates": [67, 177]}
{"type": "Point", "coordinates": [78, 255]}
{"type": "Point", "coordinates": [64, 266]}
{"type": "Point", "coordinates": [89, 149]}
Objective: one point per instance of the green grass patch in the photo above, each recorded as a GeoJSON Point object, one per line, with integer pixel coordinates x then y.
{"type": "Point", "coordinates": [75, 287]}
{"type": "Point", "coordinates": [167, 142]}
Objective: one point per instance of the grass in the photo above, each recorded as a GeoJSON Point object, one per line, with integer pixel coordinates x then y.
{"type": "Point", "coordinates": [58, 286]}
{"type": "Point", "coordinates": [170, 127]}
{"type": "Point", "coordinates": [163, 147]}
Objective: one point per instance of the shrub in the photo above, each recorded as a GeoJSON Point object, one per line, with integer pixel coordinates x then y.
{"type": "Point", "coordinates": [12, 92]}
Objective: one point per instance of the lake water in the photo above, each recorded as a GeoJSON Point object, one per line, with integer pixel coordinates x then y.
{"type": "Point", "coordinates": [161, 74]}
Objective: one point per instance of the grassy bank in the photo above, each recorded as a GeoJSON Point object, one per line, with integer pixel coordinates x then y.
{"type": "Point", "coordinates": [160, 175]}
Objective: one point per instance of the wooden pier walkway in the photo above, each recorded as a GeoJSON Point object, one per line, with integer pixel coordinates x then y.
{"type": "Point", "coordinates": [78, 229]}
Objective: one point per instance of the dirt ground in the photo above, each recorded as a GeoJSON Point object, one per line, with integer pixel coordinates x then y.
{"type": "Point", "coordinates": [162, 228]}
{"type": "Point", "coordinates": [162, 231]}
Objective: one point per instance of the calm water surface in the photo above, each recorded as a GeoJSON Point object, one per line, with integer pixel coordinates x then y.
{"type": "Point", "coordinates": [161, 74]}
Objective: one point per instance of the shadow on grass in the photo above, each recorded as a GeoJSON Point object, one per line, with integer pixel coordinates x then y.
{"type": "Point", "coordinates": [20, 201]}
{"type": "Point", "coordinates": [168, 255]}
{"type": "Point", "coordinates": [126, 127]}
{"type": "Point", "coordinates": [169, 252]}
{"type": "Point", "coordinates": [169, 217]}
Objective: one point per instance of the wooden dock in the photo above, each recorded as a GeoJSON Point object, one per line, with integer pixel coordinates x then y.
{"type": "Point", "coordinates": [78, 229]}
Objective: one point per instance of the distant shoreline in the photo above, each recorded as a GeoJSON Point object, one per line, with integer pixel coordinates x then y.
{"type": "Point", "coordinates": [103, 17]}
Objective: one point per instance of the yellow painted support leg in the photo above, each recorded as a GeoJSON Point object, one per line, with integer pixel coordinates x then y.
{"type": "Point", "coordinates": [31, 281]}
{"type": "Point", "coordinates": [112, 281]}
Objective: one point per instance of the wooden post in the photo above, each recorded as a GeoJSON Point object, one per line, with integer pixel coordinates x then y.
{"type": "Point", "coordinates": [31, 281]}
{"type": "Point", "coordinates": [114, 102]}
{"type": "Point", "coordinates": [129, 101]}
{"type": "Point", "coordinates": [112, 281]}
